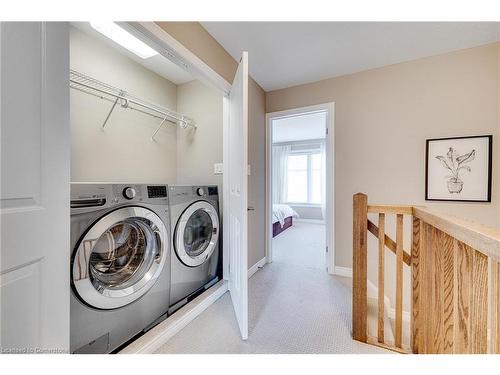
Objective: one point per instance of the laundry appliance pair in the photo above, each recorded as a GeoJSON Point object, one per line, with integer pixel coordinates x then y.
{"type": "Point", "coordinates": [139, 253]}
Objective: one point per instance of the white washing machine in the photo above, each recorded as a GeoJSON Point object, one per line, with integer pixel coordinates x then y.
{"type": "Point", "coordinates": [120, 263]}
{"type": "Point", "coordinates": [196, 261]}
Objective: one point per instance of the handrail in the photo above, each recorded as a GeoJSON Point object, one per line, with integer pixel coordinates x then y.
{"type": "Point", "coordinates": [455, 280]}
{"type": "Point", "coordinates": [478, 236]}
{"type": "Point", "coordinates": [390, 209]}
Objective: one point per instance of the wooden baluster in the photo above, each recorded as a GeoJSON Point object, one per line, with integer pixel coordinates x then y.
{"type": "Point", "coordinates": [494, 307]}
{"type": "Point", "coordinates": [479, 307]}
{"type": "Point", "coordinates": [417, 313]}
{"type": "Point", "coordinates": [359, 267]}
{"type": "Point", "coordinates": [381, 272]}
{"type": "Point", "coordinates": [399, 280]}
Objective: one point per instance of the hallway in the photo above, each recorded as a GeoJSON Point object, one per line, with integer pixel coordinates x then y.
{"type": "Point", "coordinates": [292, 309]}
{"type": "Point", "coordinates": [301, 245]}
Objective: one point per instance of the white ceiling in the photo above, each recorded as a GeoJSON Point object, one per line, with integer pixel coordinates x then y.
{"type": "Point", "coordinates": [284, 54]}
{"type": "Point", "coordinates": [299, 128]}
{"type": "Point", "coordinates": [158, 64]}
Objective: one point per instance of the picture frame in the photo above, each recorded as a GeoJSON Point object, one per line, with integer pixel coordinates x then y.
{"type": "Point", "coordinates": [458, 169]}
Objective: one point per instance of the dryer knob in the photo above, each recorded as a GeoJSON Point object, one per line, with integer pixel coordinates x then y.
{"type": "Point", "coordinates": [129, 193]}
{"type": "Point", "coordinates": [200, 192]}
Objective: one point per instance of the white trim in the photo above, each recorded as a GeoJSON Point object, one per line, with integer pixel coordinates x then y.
{"type": "Point", "coordinates": [307, 205]}
{"type": "Point", "coordinates": [330, 177]}
{"type": "Point", "coordinates": [225, 189]}
{"type": "Point", "coordinates": [342, 271]}
{"type": "Point", "coordinates": [159, 335]}
{"type": "Point", "coordinates": [257, 266]}
{"type": "Point", "coordinates": [330, 185]}
{"type": "Point", "coordinates": [311, 221]}
{"type": "Point", "coordinates": [391, 313]}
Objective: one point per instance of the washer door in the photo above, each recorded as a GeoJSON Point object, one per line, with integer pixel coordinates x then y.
{"type": "Point", "coordinates": [196, 234]}
{"type": "Point", "coordinates": [120, 258]}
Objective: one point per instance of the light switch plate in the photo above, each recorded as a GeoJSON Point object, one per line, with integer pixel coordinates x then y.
{"type": "Point", "coordinates": [218, 168]}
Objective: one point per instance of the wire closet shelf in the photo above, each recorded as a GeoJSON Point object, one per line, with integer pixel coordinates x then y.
{"type": "Point", "coordinates": [92, 86]}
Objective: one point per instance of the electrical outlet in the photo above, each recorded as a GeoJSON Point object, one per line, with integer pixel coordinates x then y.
{"type": "Point", "coordinates": [218, 168]}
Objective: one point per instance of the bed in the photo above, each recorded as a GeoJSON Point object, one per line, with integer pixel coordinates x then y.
{"type": "Point", "coordinates": [283, 216]}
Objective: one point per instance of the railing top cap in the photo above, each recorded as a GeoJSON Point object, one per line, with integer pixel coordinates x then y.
{"type": "Point", "coordinates": [478, 236]}
{"type": "Point", "coordinates": [390, 209]}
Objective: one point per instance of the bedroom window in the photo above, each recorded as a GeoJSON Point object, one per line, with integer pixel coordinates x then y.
{"type": "Point", "coordinates": [304, 178]}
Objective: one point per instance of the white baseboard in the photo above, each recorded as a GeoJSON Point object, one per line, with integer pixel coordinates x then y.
{"type": "Point", "coordinates": [373, 293]}
{"type": "Point", "coordinates": [312, 221]}
{"type": "Point", "coordinates": [391, 314]}
{"type": "Point", "coordinates": [159, 335]}
{"type": "Point", "coordinates": [342, 271]}
{"type": "Point", "coordinates": [256, 267]}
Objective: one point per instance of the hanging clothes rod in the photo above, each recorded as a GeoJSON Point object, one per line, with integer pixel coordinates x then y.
{"type": "Point", "coordinates": [89, 85]}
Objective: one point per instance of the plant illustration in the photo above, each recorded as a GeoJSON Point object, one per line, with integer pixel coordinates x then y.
{"type": "Point", "coordinates": [456, 163]}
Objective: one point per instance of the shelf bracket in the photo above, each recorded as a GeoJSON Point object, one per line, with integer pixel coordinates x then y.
{"type": "Point", "coordinates": [109, 113]}
{"type": "Point", "coordinates": [158, 129]}
{"type": "Point", "coordinates": [124, 103]}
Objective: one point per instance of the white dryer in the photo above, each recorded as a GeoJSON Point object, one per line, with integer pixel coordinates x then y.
{"type": "Point", "coordinates": [196, 260]}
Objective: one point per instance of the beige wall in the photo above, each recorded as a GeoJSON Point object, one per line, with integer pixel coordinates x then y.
{"type": "Point", "coordinates": [384, 116]}
{"type": "Point", "coordinates": [195, 38]}
{"type": "Point", "coordinates": [308, 212]}
{"type": "Point", "coordinates": [198, 150]}
{"type": "Point", "coordinates": [124, 151]}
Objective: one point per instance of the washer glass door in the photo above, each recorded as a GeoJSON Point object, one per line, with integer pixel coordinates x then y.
{"type": "Point", "coordinates": [197, 233]}
{"type": "Point", "coordinates": [120, 258]}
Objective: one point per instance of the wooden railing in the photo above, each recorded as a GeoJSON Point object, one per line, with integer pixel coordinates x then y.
{"type": "Point", "coordinates": [455, 280]}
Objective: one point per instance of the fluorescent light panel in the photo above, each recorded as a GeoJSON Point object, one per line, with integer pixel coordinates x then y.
{"type": "Point", "coordinates": [124, 39]}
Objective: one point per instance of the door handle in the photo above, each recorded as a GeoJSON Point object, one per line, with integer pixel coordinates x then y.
{"type": "Point", "coordinates": [250, 208]}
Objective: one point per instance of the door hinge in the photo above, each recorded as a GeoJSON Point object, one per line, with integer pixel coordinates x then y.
{"type": "Point", "coordinates": [327, 249]}
{"type": "Point", "coordinates": [326, 131]}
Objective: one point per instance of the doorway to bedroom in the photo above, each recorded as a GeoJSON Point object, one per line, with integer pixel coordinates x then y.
{"type": "Point", "coordinates": [300, 187]}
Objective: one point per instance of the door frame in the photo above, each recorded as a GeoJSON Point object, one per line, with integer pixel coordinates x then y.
{"type": "Point", "coordinates": [329, 176]}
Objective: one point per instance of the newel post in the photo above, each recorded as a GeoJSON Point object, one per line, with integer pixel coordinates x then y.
{"type": "Point", "coordinates": [359, 267]}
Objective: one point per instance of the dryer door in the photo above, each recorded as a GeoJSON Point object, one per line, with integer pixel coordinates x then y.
{"type": "Point", "coordinates": [196, 234]}
{"type": "Point", "coordinates": [120, 258]}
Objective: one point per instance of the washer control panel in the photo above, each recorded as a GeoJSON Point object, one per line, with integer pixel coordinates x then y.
{"type": "Point", "coordinates": [129, 192]}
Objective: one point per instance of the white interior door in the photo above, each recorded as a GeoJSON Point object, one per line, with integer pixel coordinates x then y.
{"type": "Point", "coordinates": [238, 161]}
{"type": "Point", "coordinates": [34, 197]}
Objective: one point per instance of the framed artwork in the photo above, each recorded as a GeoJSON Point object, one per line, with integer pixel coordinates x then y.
{"type": "Point", "coordinates": [458, 169]}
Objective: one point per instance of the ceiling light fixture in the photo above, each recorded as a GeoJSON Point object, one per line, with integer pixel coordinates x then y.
{"type": "Point", "coordinates": [124, 38]}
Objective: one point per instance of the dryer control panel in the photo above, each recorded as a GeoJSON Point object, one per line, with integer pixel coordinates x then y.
{"type": "Point", "coordinates": [157, 191]}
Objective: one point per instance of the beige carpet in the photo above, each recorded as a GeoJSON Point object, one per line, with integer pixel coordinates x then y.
{"type": "Point", "coordinates": [303, 244]}
{"type": "Point", "coordinates": [292, 309]}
